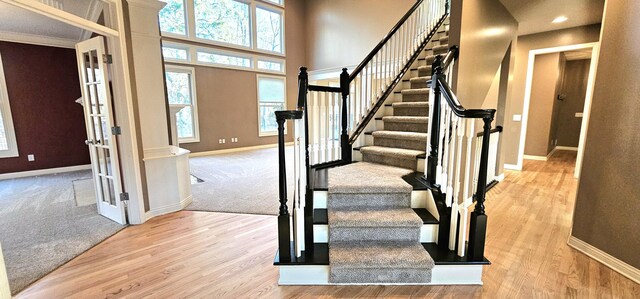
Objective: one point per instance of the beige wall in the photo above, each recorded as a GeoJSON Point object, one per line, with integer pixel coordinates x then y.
{"type": "Point", "coordinates": [5, 292]}
{"type": "Point", "coordinates": [227, 99]}
{"type": "Point", "coordinates": [342, 33]}
{"type": "Point", "coordinates": [483, 29]}
{"type": "Point", "coordinates": [546, 74]}
{"type": "Point", "coordinates": [608, 198]}
{"type": "Point", "coordinates": [574, 87]}
{"type": "Point", "coordinates": [571, 36]}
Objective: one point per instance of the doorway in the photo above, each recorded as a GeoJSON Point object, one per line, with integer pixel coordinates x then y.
{"type": "Point", "coordinates": [43, 224]}
{"type": "Point", "coordinates": [556, 109]}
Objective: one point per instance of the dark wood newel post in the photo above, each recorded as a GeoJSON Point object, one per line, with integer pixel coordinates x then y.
{"type": "Point", "coordinates": [284, 222]}
{"type": "Point", "coordinates": [434, 131]}
{"type": "Point", "coordinates": [478, 222]}
{"type": "Point", "coordinates": [303, 88]}
{"type": "Point", "coordinates": [344, 136]}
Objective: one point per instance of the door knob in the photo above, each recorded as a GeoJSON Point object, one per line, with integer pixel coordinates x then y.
{"type": "Point", "coordinates": [87, 142]}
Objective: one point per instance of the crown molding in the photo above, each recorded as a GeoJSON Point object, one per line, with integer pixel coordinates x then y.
{"type": "Point", "coordinates": [39, 40]}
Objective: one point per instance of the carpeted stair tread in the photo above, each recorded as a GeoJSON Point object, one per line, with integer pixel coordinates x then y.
{"type": "Point", "coordinates": [444, 40]}
{"type": "Point", "coordinates": [410, 104]}
{"type": "Point", "coordinates": [425, 68]}
{"type": "Point", "coordinates": [421, 79]}
{"type": "Point", "coordinates": [375, 218]}
{"type": "Point", "coordinates": [441, 49]}
{"type": "Point", "coordinates": [369, 178]}
{"type": "Point", "coordinates": [401, 135]}
{"type": "Point", "coordinates": [370, 255]}
{"type": "Point", "coordinates": [406, 119]}
{"type": "Point", "coordinates": [416, 91]}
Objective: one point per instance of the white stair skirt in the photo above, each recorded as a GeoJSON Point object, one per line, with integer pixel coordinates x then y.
{"type": "Point", "coordinates": [441, 275]}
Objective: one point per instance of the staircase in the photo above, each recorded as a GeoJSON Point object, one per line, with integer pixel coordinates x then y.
{"type": "Point", "coordinates": [400, 131]}
{"type": "Point", "coordinates": [371, 205]}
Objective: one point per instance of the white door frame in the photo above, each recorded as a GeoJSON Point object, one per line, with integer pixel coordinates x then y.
{"type": "Point", "coordinates": [123, 78]}
{"type": "Point", "coordinates": [587, 102]}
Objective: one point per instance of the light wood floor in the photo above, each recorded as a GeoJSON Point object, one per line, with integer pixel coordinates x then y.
{"type": "Point", "coordinates": [215, 255]}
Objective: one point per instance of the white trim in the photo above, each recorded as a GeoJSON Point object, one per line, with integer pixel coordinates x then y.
{"type": "Point", "coordinates": [169, 208]}
{"type": "Point", "coordinates": [234, 150]}
{"type": "Point", "coordinates": [500, 177]}
{"type": "Point", "coordinates": [194, 100]}
{"type": "Point", "coordinates": [5, 111]}
{"type": "Point", "coordinates": [565, 148]}
{"type": "Point", "coordinates": [605, 258]}
{"type": "Point", "coordinates": [328, 73]}
{"type": "Point", "coordinates": [38, 40]}
{"type": "Point", "coordinates": [284, 80]}
{"type": "Point", "coordinates": [529, 83]}
{"type": "Point", "coordinates": [537, 158]}
{"type": "Point", "coordinates": [586, 112]}
{"type": "Point", "coordinates": [63, 16]}
{"type": "Point", "coordinates": [39, 172]}
{"type": "Point", "coordinates": [5, 292]}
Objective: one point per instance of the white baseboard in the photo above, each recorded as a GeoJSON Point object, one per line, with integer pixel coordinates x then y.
{"type": "Point", "coordinates": [233, 150]}
{"type": "Point", "coordinates": [512, 167]}
{"type": "Point", "coordinates": [566, 148]}
{"type": "Point", "coordinates": [23, 174]}
{"type": "Point", "coordinates": [537, 158]}
{"type": "Point", "coordinates": [168, 208]}
{"type": "Point", "coordinates": [500, 177]}
{"type": "Point", "coordinates": [605, 258]}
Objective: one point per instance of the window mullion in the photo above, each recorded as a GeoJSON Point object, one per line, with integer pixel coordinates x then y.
{"type": "Point", "coordinates": [191, 18]}
{"type": "Point", "coordinates": [254, 26]}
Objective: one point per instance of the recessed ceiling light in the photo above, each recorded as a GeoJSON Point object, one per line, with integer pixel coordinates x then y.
{"type": "Point", "coordinates": [559, 19]}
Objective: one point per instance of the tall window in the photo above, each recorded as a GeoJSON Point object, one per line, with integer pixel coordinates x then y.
{"type": "Point", "coordinates": [181, 91]}
{"type": "Point", "coordinates": [173, 17]}
{"type": "Point", "coordinates": [246, 24]}
{"type": "Point", "coordinates": [8, 145]}
{"type": "Point", "coordinates": [271, 98]}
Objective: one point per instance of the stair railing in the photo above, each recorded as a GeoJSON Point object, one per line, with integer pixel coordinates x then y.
{"type": "Point", "coordinates": [450, 166]}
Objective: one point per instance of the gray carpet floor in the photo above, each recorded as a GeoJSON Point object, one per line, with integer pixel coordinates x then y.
{"type": "Point", "coordinates": [242, 182]}
{"type": "Point", "coordinates": [41, 226]}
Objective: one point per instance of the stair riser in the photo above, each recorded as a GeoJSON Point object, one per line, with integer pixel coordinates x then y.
{"type": "Point", "coordinates": [420, 163]}
{"type": "Point", "coordinates": [419, 84]}
{"type": "Point", "coordinates": [419, 145]}
{"type": "Point", "coordinates": [428, 233]}
{"type": "Point", "coordinates": [353, 202]}
{"type": "Point", "coordinates": [410, 111]}
{"type": "Point", "coordinates": [406, 127]}
{"type": "Point", "coordinates": [389, 160]}
{"type": "Point", "coordinates": [380, 276]}
{"type": "Point", "coordinates": [415, 98]}
{"type": "Point", "coordinates": [425, 72]}
{"type": "Point", "coordinates": [384, 234]}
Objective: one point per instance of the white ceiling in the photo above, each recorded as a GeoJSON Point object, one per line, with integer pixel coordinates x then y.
{"type": "Point", "coordinates": [535, 16]}
{"type": "Point", "coordinates": [17, 23]}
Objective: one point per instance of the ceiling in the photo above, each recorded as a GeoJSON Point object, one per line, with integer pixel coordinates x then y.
{"type": "Point", "coordinates": [535, 16]}
{"type": "Point", "coordinates": [21, 25]}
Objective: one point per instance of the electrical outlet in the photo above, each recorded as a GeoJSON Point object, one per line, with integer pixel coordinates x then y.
{"type": "Point", "coordinates": [220, 141]}
{"type": "Point", "coordinates": [224, 141]}
{"type": "Point", "coordinates": [31, 158]}
{"type": "Point", "coordinates": [234, 139]}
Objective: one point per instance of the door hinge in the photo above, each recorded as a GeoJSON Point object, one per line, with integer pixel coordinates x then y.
{"type": "Point", "coordinates": [106, 58]}
{"type": "Point", "coordinates": [124, 196]}
{"type": "Point", "coordinates": [116, 130]}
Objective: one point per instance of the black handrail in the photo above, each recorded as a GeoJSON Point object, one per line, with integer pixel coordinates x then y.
{"type": "Point", "coordinates": [497, 129]}
{"type": "Point", "coordinates": [381, 44]}
{"type": "Point", "coordinates": [324, 88]}
{"type": "Point", "coordinates": [458, 109]}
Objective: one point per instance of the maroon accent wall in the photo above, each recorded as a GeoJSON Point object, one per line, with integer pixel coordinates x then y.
{"type": "Point", "coordinates": [43, 85]}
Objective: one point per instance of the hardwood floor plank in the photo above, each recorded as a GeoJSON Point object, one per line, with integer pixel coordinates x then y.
{"type": "Point", "coordinates": [217, 255]}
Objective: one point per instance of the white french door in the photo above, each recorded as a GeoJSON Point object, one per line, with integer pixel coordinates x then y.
{"type": "Point", "coordinates": [98, 111]}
